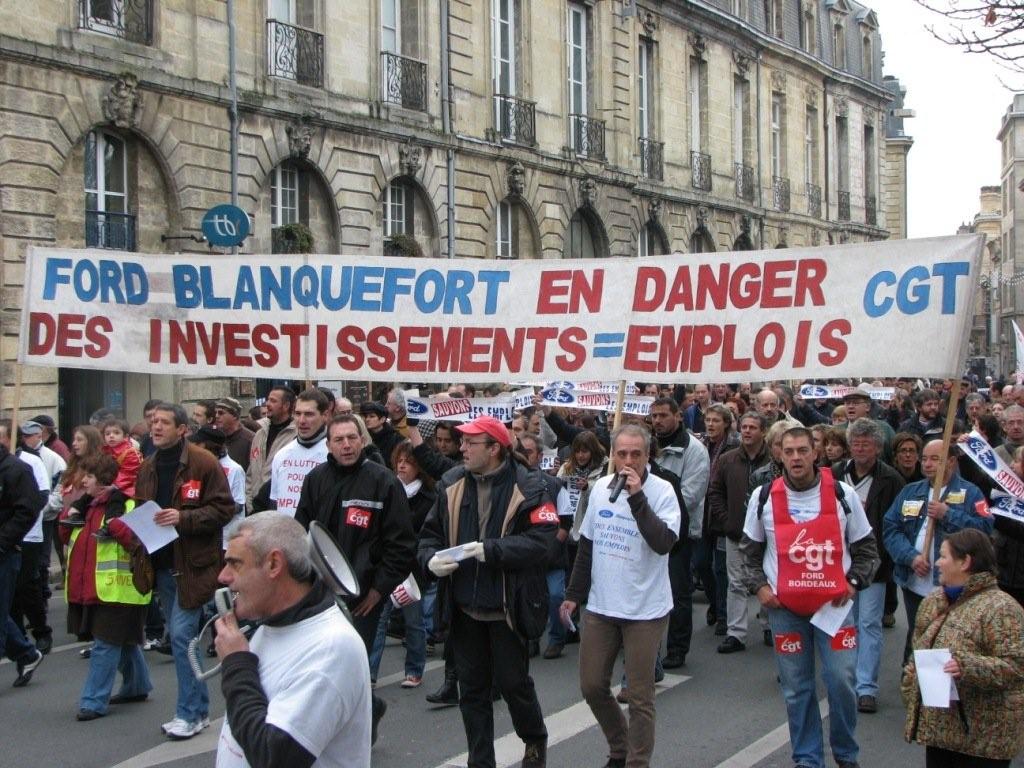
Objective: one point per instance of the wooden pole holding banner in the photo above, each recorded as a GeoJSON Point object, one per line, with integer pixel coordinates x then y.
{"type": "Point", "coordinates": [617, 418]}
{"type": "Point", "coordinates": [947, 435]}
{"type": "Point", "coordinates": [15, 407]}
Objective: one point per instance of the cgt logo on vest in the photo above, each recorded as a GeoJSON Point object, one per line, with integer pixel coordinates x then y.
{"type": "Point", "coordinates": [358, 517]}
{"type": "Point", "coordinates": [807, 552]}
{"type": "Point", "coordinates": [191, 490]}
{"type": "Point", "coordinates": [788, 643]}
{"type": "Point", "coordinates": [545, 514]}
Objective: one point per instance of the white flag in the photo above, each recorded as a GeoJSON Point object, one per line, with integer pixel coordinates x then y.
{"type": "Point", "coordinates": [1019, 337]}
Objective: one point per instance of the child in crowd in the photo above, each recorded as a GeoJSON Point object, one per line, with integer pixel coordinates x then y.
{"type": "Point", "coordinates": [117, 444]}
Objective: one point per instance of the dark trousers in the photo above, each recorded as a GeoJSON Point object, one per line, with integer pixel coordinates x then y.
{"type": "Point", "coordinates": [892, 601]}
{"type": "Point", "coordinates": [943, 758]}
{"type": "Point", "coordinates": [911, 602]}
{"type": "Point", "coordinates": [29, 605]}
{"type": "Point", "coordinates": [13, 643]}
{"type": "Point", "coordinates": [44, 558]}
{"type": "Point", "coordinates": [366, 626]}
{"type": "Point", "coordinates": [680, 621]}
{"type": "Point", "coordinates": [486, 652]}
{"type": "Point", "coordinates": [703, 557]}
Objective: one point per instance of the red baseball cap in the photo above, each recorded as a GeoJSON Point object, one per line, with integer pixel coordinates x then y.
{"type": "Point", "coordinates": [490, 426]}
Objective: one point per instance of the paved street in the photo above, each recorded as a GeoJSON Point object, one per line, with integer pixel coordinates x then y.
{"type": "Point", "coordinates": [719, 712]}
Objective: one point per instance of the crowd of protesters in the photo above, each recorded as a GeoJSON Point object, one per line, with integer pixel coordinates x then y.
{"type": "Point", "coordinates": [709, 476]}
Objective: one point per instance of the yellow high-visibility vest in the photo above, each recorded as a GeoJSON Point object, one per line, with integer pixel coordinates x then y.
{"type": "Point", "coordinates": [113, 570]}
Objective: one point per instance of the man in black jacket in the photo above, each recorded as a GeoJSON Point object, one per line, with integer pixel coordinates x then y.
{"type": "Point", "coordinates": [19, 508]}
{"type": "Point", "coordinates": [877, 485]}
{"type": "Point", "coordinates": [364, 507]}
{"type": "Point", "coordinates": [494, 598]}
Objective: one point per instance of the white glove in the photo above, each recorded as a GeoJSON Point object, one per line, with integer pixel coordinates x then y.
{"type": "Point", "coordinates": [442, 566]}
{"type": "Point", "coordinates": [474, 549]}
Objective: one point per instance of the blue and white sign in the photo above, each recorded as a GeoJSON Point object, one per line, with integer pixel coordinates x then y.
{"type": "Point", "coordinates": [225, 226]}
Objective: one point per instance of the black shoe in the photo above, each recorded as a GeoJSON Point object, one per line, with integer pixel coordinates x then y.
{"type": "Point", "coordinates": [86, 653]}
{"type": "Point", "coordinates": [615, 762]}
{"type": "Point", "coordinates": [535, 755]}
{"type": "Point", "coordinates": [867, 704]}
{"type": "Point", "coordinates": [674, 661]}
{"type": "Point", "coordinates": [534, 648]}
{"type": "Point", "coordinates": [721, 629]}
{"type": "Point", "coordinates": [119, 699]}
{"type": "Point", "coordinates": [711, 617]}
{"type": "Point", "coordinates": [85, 715]}
{"type": "Point", "coordinates": [767, 638]}
{"type": "Point", "coordinates": [165, 648]}
{"type": "Point", "coordinates": [379, 708]}
{"type": "Point", "coordinates": [447, 695]}
{"type": "Point", "coordinates": [44, 644]}
{"type": "Point", "coordinates": [25, 670]}
{"type": "Point", "coordinates": [553, 651]}
{"type": "Point", "coordinates": [731, 645]}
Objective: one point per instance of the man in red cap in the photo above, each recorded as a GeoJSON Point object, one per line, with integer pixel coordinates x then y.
{"type": "Point", "coordinates": [492, 596]}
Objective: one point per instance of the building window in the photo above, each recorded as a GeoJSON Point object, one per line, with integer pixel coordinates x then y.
{"type": "Point", "coordinates": [284, 195]}
{"type": "Point", "coordinates": [843, 152]}
{"type": "Point", "coordinates": [643, 88]}
{"type": "Point", "coordinates": [577, 50]}
{"type": "Point", "coordinates": [397, 210]}
{"type": "Point", "coordinates": [128, 19]}
{"type": "Point", "coordinates": [811, 146]}
{"type": "Point", "coordinates": [867, 58]}
{"type": "Point", "coordinates": [739, 108]}
{"type": "Point", "coordinates": [391, 26]}
{"type": "Point", "coordinates": [108, 223]}
{"type": "Point", "coordinates": [698, 87]}
{"type": "Point", "coordinates": [505, 239]}
{"type": "Point", "coordinates": [839, 46]}
{"type": "Point", "coordinates": [778, 136]}
{"type": "Point", "coordinates": [503, 46]}
{"type": "Point", "coordinates": [807, 26]}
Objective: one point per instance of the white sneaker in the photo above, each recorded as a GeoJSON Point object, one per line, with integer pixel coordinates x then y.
{"type": "Point", "coordinates": [179, 729]}
{"type": "Point", "coordinates": [203, 724]}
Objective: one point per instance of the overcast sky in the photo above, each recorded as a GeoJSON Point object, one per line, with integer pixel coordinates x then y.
{"type": "Point", "coordinates": [959, 102]}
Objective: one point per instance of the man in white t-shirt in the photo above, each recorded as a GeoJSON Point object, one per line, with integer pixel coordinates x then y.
{"type": "Point", "coordinates": [807, 548]}
{"type": "Point", "coordinates": [294, 461]}
{"type": "Point", "coordinates": [298, 693]}
{"type": "Point", "coordinates": [621, 572]}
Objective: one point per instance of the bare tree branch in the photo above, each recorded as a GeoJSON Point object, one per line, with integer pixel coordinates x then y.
{"type": "Point", "coordinates": [990, 27]}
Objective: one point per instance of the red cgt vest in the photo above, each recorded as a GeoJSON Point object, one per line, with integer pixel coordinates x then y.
{"type": "Point", "coordinates": [810, 555]}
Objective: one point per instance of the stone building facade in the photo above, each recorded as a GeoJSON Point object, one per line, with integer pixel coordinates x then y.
{"type": "Point", "coordinates": [449, 128]}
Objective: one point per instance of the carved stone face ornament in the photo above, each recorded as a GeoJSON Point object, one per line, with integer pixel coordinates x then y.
{"type": "Point", "coordinates": [123, 102]}
{"type": "Point", "coordinates": [588, 192]}
{"type": "Point", "coordinates": [410, 159]}
{"type": "Point", "coordinates": [300, 137]}
{"type": "Point", "coordinates": [516, 178]}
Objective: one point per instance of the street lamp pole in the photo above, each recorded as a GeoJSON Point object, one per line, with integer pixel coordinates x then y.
{"type": "Point", "coordinates": [233, 109]}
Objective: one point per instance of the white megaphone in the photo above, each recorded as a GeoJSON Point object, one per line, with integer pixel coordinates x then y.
{"type": "Point", "coordinates": [330, 564]}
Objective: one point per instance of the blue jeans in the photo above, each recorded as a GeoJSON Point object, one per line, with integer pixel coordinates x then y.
{"type": "Point", "coordinates": [797, 675]}
{"type": "Point", "coordinates": [15, 645]}
{"type": "Point", "coordinates": [556, 595]}
{"type": "Point", "coordinates": [182, 625]}
{"type": "Point", "coordinates": [867, 612]}
{"type": "Point", "coordinates": [415, 639]}
{"type": "Point", "coordinates": [429, 600]}
{"type": "Point", "coordinates": [104, 663]}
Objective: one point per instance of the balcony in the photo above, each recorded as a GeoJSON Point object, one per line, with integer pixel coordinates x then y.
{"type": "Point", "coordinates": [843, 205]}
{"type": "Point", "coordinates": [652, 154]}
{"type": "Point", "coordinates": [744, 182]}
{"type": "Point", "coordinates": [403, 81]}
{"type": "Point", "coordinates": [130, 20]}
{"type": "Point", "coordinates": [870, 210]}
{"type": "Point", "coordinates": [700, 164]}
{"type": "Point", "coordinates": [780, 193]}
{"type": "Point", "coordinates": [587, 136]}
{"type": "Point", "coordinates": [295, 53]}
{"type": "Point", "coordinates": [814, 200]}
{"type": "Point", "coordinates": [115, 231]}
{"type": "Point", "coordinates": [516, 120]}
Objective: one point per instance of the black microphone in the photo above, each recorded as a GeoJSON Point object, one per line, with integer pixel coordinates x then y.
{"type": "Point", "coordinates": [616, 487]}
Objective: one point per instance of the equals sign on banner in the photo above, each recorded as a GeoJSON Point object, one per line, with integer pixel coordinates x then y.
{"type": "Point", "coordinates": [608, 344]}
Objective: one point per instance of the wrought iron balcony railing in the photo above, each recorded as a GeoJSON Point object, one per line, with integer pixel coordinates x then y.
{"type": "Point", "coordinates": [700, 164]}
{"type": "Point", "coordinates": [587, 136]}
{"type": "Point", "coordinates": [814, 200]}
{"type": "Point", "coordinates": [870, 210]}
{"type": "Point", "coordinates": [744, 182]}
{"type": "Point", "coordinates": [130, 20]}
{"type": "Point", "coordinates": [110, 230]}
{"type": "Point", "coordinates": [652, 155]}
{"type": "Point", "coordinates": [843, 205]}
{"type": "Point", "coordinates": [403, 81]}
{"type": "Point", "coordinates": [516, 119]}
{"type": "Point", "coordinates": [780, 193]}
{"type": "Point", "coordinates": [295, 53]}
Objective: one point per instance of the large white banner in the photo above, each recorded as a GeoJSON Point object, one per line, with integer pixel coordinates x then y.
{"type": "Point", "coordinates": [895, 308]}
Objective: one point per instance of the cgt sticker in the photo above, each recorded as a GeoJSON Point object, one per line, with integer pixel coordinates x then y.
{"type": "Point", "coordinates": [358, 517]}
{"type": "Point", "coordinates": [545, 514]}
{"type": "Point", "coordinates": [982, 508]}
{"type": "Point", "coordinates": [788, 643]}
{"type": "Point", "coordinates": [845, 639]}
{"type": "Point", "coordinates": [191, 491]}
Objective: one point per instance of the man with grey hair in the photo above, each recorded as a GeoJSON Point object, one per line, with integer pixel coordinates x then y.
{"type": "Point", "coordinates": [1013, 437]}
{"type": "Point", "coordinates": [974, 407]}
{"type": "Point", "coordinates": [876, 485]}
{"type": "Point", "coordinates": [286, 703]}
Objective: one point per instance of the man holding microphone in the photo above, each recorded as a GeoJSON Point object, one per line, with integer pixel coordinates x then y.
{"type": "Point", "coordinates": [621, 572]}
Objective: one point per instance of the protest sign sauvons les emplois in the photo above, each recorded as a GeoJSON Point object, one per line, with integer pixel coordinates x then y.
{"type": "Point", "coordinates": [898, 308]}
